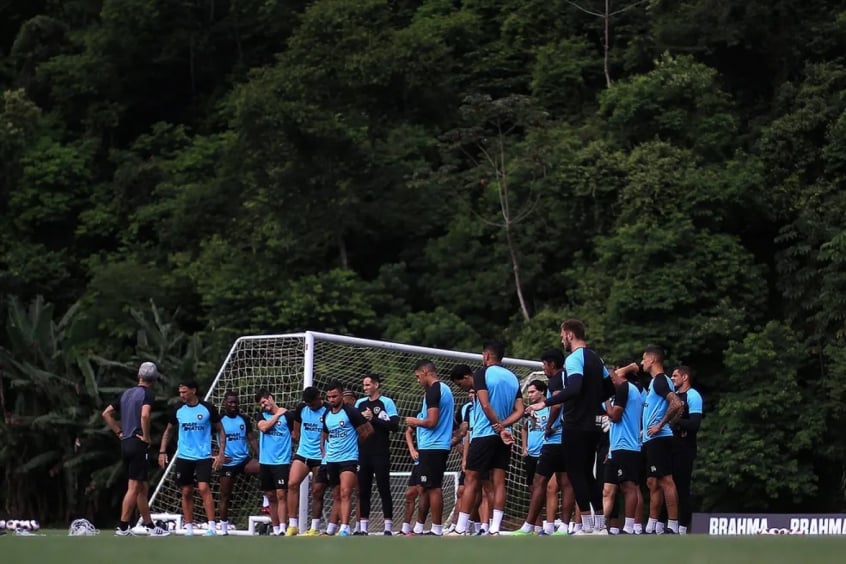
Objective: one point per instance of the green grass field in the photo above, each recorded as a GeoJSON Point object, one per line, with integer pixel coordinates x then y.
{"type": "Point", "coordinates": [107, 549]}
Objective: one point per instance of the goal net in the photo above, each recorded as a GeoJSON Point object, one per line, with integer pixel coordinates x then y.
{"type": "Point", "coordinates": [285, 364]}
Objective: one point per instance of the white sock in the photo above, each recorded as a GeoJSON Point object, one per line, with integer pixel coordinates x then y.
{"type": "Point", "coordinates": [275, 529]}
{"type": "Point", "coordinates": [345, 527]}
{"type": "Point", "coordinates": [331, 528]}
{"type": "Point", "coordinates": [527, 527]}
{"type": "Point", "coordinates": [212, 526]}
{"type": "Point", "coordinates": [418, 528]}
{"type": "Point", "coordinates": [477, 526]}
{"type": "Point", "coordinates": [587, 522]}
{"type": "Point", "coordinates": [265, 502]}
{"type": "Point", "coordinates": [599, 522]}
{"type": "Point", "coordinates": [389, 525]}
{"type": "Point", "coordinates": [283, 527]}
{"type": "Point", "coordinates": [638, 528]}
{"type": "Point", "coordinates": [673, 525]}
{"type": "Point", "coordinates": [293, 522]}
{"type": "Point", "coordinates": [548, 528]}
{"type": "Point", "coordinates": [682, 530]}
{"type": "Point", "coordinates": [538, 529]}
{"type": "Point", "coordinates": [315, 524]}
{"type": "Point", "coordinates": [496, 521]}
{"type": "Point", "coordinates": [224, 527]}
{"type": "Point", "coordinates": [362, 525]}
{"type": "Point", "coordinates": [629, 525]}
{"type": "Point", "coordinates": [189, 528]}
{"type": "Point", "coordinates": [650, 525]}
{"type": "Point", "coordinates": [463, 519]}
{"type": "Point", "coordinates": [406, 528]}
{"type": "Point", "coordinates": [438, 529]}
{"type": "Point", "coordinates": [659, 527]}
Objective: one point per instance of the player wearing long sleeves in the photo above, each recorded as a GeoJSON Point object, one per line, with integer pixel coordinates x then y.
{"type": "Point", "coordinates": [374, 454]}
{"type": "Point", "coordinates": [684, 441]}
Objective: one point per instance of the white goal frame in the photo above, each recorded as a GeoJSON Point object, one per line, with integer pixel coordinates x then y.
{"type": "Point", "coordinates": [309, 338]}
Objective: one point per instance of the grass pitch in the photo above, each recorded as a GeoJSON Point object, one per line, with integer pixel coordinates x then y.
{"type": "Point", "coordinates": [106, 549]}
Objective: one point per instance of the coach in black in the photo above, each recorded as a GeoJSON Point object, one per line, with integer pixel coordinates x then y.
{"type": "Point", "coordinates": [134, 407]}
{"type": "Point", "coordinates": [374, 456]}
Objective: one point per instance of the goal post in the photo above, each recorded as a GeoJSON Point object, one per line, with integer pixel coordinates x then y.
{"type": "Point", "coordinates": [285, 364]}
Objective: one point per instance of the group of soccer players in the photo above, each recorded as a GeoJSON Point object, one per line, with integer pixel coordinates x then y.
{"type": "Point", "coordinates": [588, 433]}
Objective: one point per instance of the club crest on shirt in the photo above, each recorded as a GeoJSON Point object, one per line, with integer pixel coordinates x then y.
{"type": "Point", "coordinates": [342, 423]}
{"type": "Point", "coordinates": [242, 426]}
{"type": "Point", "coordinates": [377, 409]}
{"type": "Point", "coordinates": [200, 416]}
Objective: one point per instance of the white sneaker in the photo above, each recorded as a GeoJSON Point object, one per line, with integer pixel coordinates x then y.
{"type": "Point", "coordinates": [158, 532]}
{"type": "Point", "coordinates": [210, 533]}
{"type": "Point", "coordinates": [140, 531]}
{"type": "Point", "coordinates": [123, 532]}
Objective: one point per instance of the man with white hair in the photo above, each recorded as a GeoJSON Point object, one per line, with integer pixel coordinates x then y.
{"type": "Point", "coordinates": [134, 406]}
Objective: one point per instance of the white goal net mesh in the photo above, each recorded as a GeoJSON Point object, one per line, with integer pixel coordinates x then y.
{"type": "Point", "coordinates": [286, 364]}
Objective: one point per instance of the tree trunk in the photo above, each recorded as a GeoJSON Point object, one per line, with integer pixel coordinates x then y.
{"type": "Point", "coordinates": [607, 19]}
{"type": "Point", "coordinates": [515, 266]}
{"type": "Point", "coordinates": [342, 249]}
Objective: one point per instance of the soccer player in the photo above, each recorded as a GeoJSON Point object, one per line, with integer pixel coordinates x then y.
{"type": "Point", "coordinates": [414, 492]}
{"type": "Point", "coordinates": [374, 454]}
{"type": "Point", "coordinates": [551, 462]}
{"type": "Point", "coordinates": [499, 404]}
{"type": "Point", "coordinates": [584, 391]}
{"type": "Point", "coordinates": [275, 424]}
{"type": "Point", "coordinates": [134, 406]}
{"type": "Point", "coordinates": [661, 408]}
{"type": "Point", "coordinates": [434, 439]}
{"type": "Point", "coordinates": [461, 440]}
{"type": "Point", "coordinates": [343, 428]}
{"type": "Point", "coordinates": [532, 434]}
{"type": "Point", "coordinates": [194, 420]}
{"type": "Point", "coordinates": [240, 438]}
{"type": "Point", "coordinates": [684, 441]}
{"type": "Point", "coordinates": [624, 460]}
{"type": "Point", "coordinates": [308, 425]}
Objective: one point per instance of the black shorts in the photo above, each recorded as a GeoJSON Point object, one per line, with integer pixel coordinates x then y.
{"type": "Point", "coordinates": [414, 478]}
{"type": "Point", "coordinates": [432, 465]}
{"type": "Point", "coordinates": [659, 457]}
{"type": "Point", "coordinates": [274, 476]}
{"type": "Point", "coordinates": [234, 470]}
{"type": "Point", "coordinates": [551, 460]}
{"type": "Point", "coordinates": [488, 453]}
{"type": "Point", "coordinates": [310, 462]}
{"type": "Point", "coordinates": [186, 472]}
{"type": "Point", "coordinates": [530, 465]}
{"type": "Point", "coordinates": [335, 469]}
{"type": "Point", "coordinates": [321, 477]}
{"type": "Point", "coordinates": [136, 458]}
{"type": "Point", "coordinates": [623, 466]}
